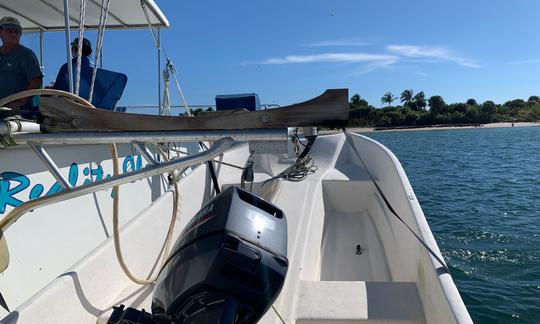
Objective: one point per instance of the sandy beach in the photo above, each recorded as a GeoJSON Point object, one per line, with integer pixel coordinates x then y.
{"type": "Point", "coordinates": [491, 125]}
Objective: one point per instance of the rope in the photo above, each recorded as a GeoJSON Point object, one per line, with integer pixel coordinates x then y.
{"type": "Point", "coordinates": [19, 125]}
{"type": "Point", "coordinates": [116, 226]}
{"type": "Point", "coordinates": [6, 141]}
{"type": "Point", "coordinates": [169, 64]}
{"type": "Point", "coordinates": [171, 67]}
{"type": "Point", "coordinates": [165, 110]}
{"type": "Point", "coordinates": [116, 190]}
{"type": "Point", "coordinates": [389, 206]}
{"type": "Point", "coordinates": [298, 171]}
{"type": "Point", "coordinates": [303, 166]}
{"type": "Point", "coordinates": [99, 45]}
{"type": "Point", "coordinates": [80, 45]}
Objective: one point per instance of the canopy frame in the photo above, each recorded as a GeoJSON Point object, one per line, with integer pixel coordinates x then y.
{"type": "Point", "coordinates": [50, 16]}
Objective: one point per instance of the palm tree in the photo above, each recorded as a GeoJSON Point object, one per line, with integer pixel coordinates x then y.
{"type": "Point", "coordinates": [436, 104]}
{"type": "Point", "coordinates": [406, 97]}
{"type": "Point", "coordinates": [388, 97]}
{"type": "Point", "coordinates": [420, 100]}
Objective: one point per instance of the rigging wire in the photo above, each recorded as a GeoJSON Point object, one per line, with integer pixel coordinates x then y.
{"type": "Point", "coordinates": [186, 153]}
{"type": "Point", "coordinates": [80, 45]}
{"type": "Point", "coordinates": [169, 65]}
{"type": "Point", "coordinates": [172, 68]}
{"type": "Point", "coordinates": [99, 45]}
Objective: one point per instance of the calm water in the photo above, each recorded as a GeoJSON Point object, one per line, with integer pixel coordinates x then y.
{"type": "Point", "coordinates": [480, 191]}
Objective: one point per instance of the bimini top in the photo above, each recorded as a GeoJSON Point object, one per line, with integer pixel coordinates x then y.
{"type": "Point", "coordinates": [48, 15]}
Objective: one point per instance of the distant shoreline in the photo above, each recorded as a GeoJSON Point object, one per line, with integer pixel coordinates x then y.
{"type": "Point", "coordinates": [438, 127]}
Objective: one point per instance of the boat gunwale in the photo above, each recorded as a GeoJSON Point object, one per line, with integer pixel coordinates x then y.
{"type": "Point", "coordinates": [450, 291]}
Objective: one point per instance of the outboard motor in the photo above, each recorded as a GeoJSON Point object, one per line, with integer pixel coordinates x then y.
{"type": "Point", "coordinates": [228, 266]}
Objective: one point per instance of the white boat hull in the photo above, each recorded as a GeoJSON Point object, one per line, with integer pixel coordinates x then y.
{"type": "Point", "coordinates": [392, 278]}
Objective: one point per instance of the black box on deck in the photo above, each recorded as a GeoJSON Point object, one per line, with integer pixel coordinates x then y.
{"type": "Point", "coordinates": [249, 101]}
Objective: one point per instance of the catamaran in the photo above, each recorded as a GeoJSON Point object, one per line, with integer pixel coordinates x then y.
{"type": "Point", "coordinates": [232, 217]}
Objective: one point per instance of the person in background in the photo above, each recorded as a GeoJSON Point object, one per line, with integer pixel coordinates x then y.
{"type": "Point", "coordinates": [61, 77]}
{"type": "Point", "coordinates": [108, 86]}
{"type": "Point", "coordinates": [19, 67]}
{"type": "Point", "coordinates": [86, 51]}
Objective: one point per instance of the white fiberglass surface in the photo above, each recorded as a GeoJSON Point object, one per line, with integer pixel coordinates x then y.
{"type": "Point", "coordinates": [351, 245]}
{"type": "Point", "coordinates": [46, 241]}
{"type": "Point", "coordinates": [408, 259]}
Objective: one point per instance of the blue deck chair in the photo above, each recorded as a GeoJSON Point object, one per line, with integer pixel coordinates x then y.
{"type": "Point", "coordinates": [108, 87]}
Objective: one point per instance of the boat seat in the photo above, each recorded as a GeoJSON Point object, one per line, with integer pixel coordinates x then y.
{"type": "Point", "coordinates": [358, 302]}
{"type": "Point", "coordinates": [108, 87]}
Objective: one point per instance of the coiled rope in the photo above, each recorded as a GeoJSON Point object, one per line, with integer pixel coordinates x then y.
{"type": "Point", "coordinates": [302, 167]}
{"type": "Point", "coordinates": [7, 140]}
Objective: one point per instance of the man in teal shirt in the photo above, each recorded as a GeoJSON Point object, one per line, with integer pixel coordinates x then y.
{"type": "Point", "coordinates": [19, 67]}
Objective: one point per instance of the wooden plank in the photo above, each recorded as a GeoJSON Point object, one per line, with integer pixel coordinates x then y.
{"type": "Point", "coordinates": [329, 109]}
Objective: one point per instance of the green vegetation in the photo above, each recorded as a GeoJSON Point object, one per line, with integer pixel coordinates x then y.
{"type": "Point", "coordinates": [414, 111]}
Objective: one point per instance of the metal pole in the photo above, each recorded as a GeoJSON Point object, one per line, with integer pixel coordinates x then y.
{"type": "Point", "coordinates": [41, 45]}
{"type": "Point", "coordinates": [145, 152]}
{"type": "Point", "coordinates": [68, 45]}
{"type": "Point", "coordinates": [80, 138]}
{"type": "Point", "coordinates": [159, 67]}
{"type": "Point", "coordinates": [44, 156]}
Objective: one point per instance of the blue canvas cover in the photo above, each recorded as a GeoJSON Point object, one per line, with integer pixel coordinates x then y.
{"type": "Point", "coordinates": [108, 87]}
{"type": "Point", "coordinates": [249, 101]}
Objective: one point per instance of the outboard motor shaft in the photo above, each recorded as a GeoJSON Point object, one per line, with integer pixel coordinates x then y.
{"type": "Point", "coordinates": [229, 264]}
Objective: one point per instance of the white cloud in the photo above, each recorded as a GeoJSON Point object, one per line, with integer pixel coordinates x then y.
{"type": "Point", "coordinates": [368, 62]}
{"type": "Point", "coordinates": [338, 42]}
{"type": "Point", "coordinates": [439, 53]}
{"type": "Point", "coordinates": [334, 57]}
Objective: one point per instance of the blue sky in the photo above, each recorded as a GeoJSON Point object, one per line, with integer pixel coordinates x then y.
{"type": "Point", "coordinates": [290, 51]}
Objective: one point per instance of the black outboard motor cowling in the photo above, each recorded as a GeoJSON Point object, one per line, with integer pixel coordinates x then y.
{"type": "Point", "coordinates": [228, 265]}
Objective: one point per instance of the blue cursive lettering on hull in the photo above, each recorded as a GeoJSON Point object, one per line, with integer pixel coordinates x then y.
{"type": "Point", "coordinates": [13, 184]}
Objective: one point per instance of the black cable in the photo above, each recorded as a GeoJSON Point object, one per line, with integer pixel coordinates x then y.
{"type": "Point", "coordinates": [212, 171]}
{"type": "Point", "coordinates": [389, 206]}
{"type": "Point", "coordinates": [3, 303]}
{"type": "Point", "coordinates": [307, 148]}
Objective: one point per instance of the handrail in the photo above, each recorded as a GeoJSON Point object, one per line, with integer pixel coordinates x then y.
{"type": "Point", "coordinates": [152, 170]}
{"type": "Point", "coordinates": [78, 138]}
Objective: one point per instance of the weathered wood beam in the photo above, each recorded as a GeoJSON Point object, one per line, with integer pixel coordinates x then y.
{"type": "Point", "coordinates": [60, 114]}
